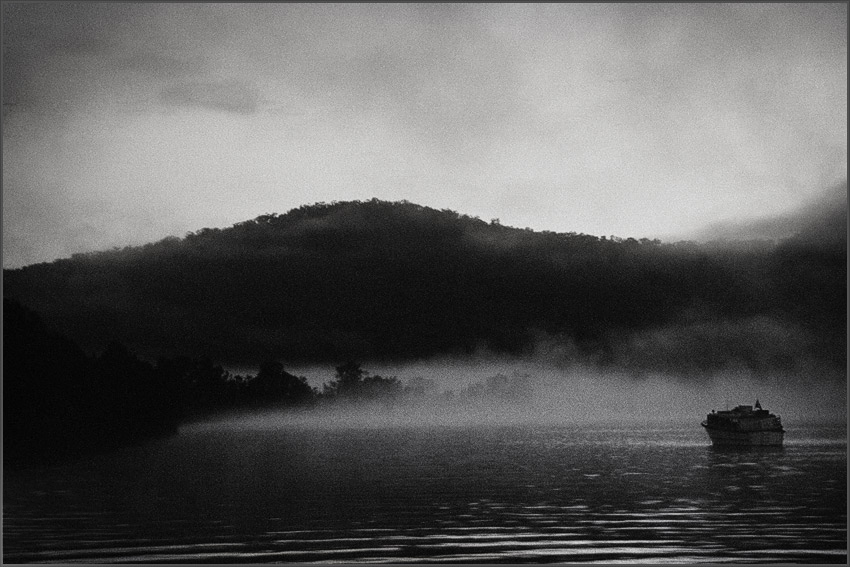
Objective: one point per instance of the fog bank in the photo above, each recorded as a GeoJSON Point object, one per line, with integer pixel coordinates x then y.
{"type": "Point", "coordinates": [528, 391]}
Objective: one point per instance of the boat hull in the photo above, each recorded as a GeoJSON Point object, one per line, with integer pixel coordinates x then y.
{"type": "Point", "coordinates": [745, 438]}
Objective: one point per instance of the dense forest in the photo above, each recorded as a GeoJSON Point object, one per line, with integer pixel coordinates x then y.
{"type": "Point", "coordinates": [58, 401]}
{"type": "Point", "coordinates": [381, 280]}
{"type": "Point", "coordinates": [112, 348]}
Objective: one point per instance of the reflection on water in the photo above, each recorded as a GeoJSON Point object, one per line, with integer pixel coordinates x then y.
{"type": "Point", "coordinates": [442, 494]}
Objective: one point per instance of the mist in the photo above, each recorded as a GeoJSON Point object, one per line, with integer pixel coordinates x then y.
{"type": "Point", "coordinates": [415, 283]}
{"type": "Point", "coordinates": [821, 220]}
{"type": "Point", "coordinates": [502, 390]}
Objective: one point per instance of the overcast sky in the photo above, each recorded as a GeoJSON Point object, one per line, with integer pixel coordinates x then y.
{"type": "Point", "coordinates": [126, 123]}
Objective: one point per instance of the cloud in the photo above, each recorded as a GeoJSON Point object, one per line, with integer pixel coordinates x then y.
{"type": "Point", "coordinates": [81, 45]}
{"type": "Point", "coordinates": [635, 120]}
{"type": "Point", "coordinates": [226, 96]}
{"type": "Point", "coordinates": [155, 65]}
{"type": "Point", "coordinates": [822, 219]}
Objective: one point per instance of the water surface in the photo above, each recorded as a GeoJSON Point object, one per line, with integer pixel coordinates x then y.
{"type": "Point", "coordinates": [654, 493]}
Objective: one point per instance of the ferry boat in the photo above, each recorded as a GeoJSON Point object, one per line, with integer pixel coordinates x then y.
{"type": "Point", "coordinates": [744, 425]}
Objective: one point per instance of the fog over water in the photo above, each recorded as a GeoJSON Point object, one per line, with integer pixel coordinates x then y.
{"type": "Point", "coordinates": [535, 390]}
{"type": "Point", "coordinates": [413, 283]}
{"type": "Point", "coordinates": [653, 376]}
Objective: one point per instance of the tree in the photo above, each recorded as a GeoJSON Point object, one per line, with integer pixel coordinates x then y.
{"type": "Point", "coordinates": [59, 402]}
{"type": "Point", "coordinates": [378, 387]}
{"type": "Point", "coordinates": [354, 383]}
{"type": "Point", "coordinates": [273, 384]}
{"type": "Point", "coordinates": [349, 378]}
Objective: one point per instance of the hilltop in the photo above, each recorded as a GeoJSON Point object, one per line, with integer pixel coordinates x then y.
{"type": "Point", "coordinates": [380, 280]}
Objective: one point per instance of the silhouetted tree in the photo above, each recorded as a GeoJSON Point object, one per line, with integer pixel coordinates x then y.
{"type": "Point", "coordinates": [59, 402]}
{"type": "Point", "coordinates": [354, 383]}
{"type": "Point", "coordinates": [379, 387]}
{"type": "Point", "coordinates": [274, 385]}
{"type": "Point", "coordinates": [349, 378]}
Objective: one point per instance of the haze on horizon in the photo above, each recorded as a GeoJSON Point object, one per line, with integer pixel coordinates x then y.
{"type": "Point", "coordinates": [128, 122]}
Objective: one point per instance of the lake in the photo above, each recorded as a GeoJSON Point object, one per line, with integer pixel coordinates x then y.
{"type": "Point", "coordinates": [510, 493]}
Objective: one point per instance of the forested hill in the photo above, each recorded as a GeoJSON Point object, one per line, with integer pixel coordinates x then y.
{"type": "Point", "coordinates": [379, 280]}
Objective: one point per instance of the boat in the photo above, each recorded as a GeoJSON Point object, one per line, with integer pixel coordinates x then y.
{"type": "Point", "coordinates": [745, 426]}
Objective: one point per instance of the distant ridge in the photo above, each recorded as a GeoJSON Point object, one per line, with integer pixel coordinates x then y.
{"type": "Point", "coordinates": [823, 219]}
{"type": "Point", "coordinates": [398, 281]}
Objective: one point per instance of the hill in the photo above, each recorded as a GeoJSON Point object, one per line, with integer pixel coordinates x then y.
{"type": "Point", "coordinates": [379, 280]}
{"type": "Point", "coordinates": [59, 403]}
{"type": "Point", "coordinates": [822, 219]}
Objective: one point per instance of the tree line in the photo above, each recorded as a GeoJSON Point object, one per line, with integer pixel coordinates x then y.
{"type": "Point", "coordinates": [397, 281]}
{"type": "Point", "coordinates": [60, 402]}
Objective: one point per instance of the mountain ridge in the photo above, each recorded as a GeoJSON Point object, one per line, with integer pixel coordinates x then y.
{"type": "Point", "coordinates": [822, 218]}
{"type": "Point", "coordinates": [395, 280]}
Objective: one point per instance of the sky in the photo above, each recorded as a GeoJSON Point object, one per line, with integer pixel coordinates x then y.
{"type": "Point", "coordinates": [124, 123]}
